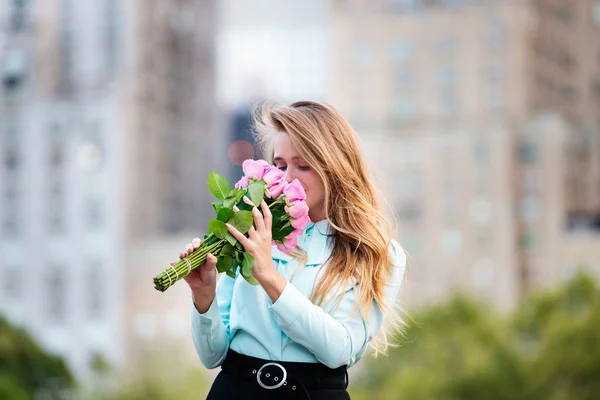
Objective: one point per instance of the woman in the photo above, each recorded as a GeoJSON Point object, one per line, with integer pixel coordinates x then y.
{"type": "Point", "coordinates": [311, 317]}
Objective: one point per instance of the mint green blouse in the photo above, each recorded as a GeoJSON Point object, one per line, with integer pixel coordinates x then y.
{"type": "Point", "coordinates": [244, 319]}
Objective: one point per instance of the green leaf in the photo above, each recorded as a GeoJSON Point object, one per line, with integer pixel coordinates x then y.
{"type": "Point", "coordinates": [233, 192]}
{"type": "Point", "coordinates": [224, 214]}
{"type": "Point", "coordinates": [251, 280]}
{"type": "Point", "coordinates": [227, 250]}
{"type": "Point", "coordinates": [218, 228]}
{"type": "Point", "coordinates": [229, 202]}
{"type": "Point", "coordinates": [217, 184]}
{"type": "Point", "coordinates": [247, 263]}
{"type": "Point", "coordinates": [239, 246]}
{"type": "Point", "coordinates": [239, 257]}
{"type": "Point", "coordinates": [231, 271]}
{"type": "Point", "coordinates": [230, 239]}
{"type": "Point", "coordinates": [281, 233]}
{"type": "Point", "coordinates": [224, 263]}
{"type": "Point", "coordinates": [242, 221]}
{"type": "Point", "coordinates": [277, 213]}
{"type": "Point", "coordinates": [217, 205]}
{"type": "Point", "coordinates": [256, 192]}
{"type": "Point", "coordinates": [241, 193]}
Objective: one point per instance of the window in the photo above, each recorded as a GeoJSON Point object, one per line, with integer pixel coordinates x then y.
{"type": "Point", "coordinates": [493, 68]}
{"type": "Point", "coordinates": [12, 283]}
{"type": "Point", "coordinates": [10, 224]}
{"type": "Point", "coordinates": [409, 212]}
{"type": "Point", "coordinates": [480, 210]}
{"type": "Point", "coordinates": [145, 325]}
{"type": "Point", "coordinates": [55, 301]}
{"type": "Point", "coordinates": [451, 242]}
{"type": "Point", "coordinates": [12, 158]}
{"type": "Point", "coordinates": [482, 274]}
{"type": "Point", "coordinates": [361, 54]}
{"type": "Point", "coordinates": [402, 51]}
{"type": "Point", "coordinates": [447, 44]}
{"type": "Point", "coordinates": [19, 16]}
{"type": "Point", "coordinates": [409, 185]}
{"type": "Point", "coordinates": [95, 213]}
{"type": "Point", "coordinates": [94, 292]}
{"type": "Point", "coordinates": [530, 208]}
{"type": "Point", "coordinates": [450, 101]}
{"type": "Point", "coordinates": [446, 75]}
{"type": "Point", "coordinates": [493, 34]}
{"type": "Point", "coordinates": [412, 244]}
{"type": "Point", "coordinates": [528, 152]}
{"type": "Point", "coordinates": [403, 109]}
{"type": "Point", "coordinates": [404, 76]}
{"type": "Point", "coordinates": [530, 241]}
{"type": "Point", "coordinates": [111, 35]}
{"type": "Point", "coordinates": [481, 152]}
{"type": "Point", "coordinates": [56, 208]}
{"type": "Point", "coordinates": [407, 5]}
{"type": "Point", "coordinates": [57, 155]}
{"type": "Point", "coordinates": [494, 97]}
{"type": "Point", "coordinates": [66, 45]}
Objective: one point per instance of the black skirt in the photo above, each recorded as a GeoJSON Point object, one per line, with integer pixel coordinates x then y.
{"type": "Point", "coordinates": [248, 378]}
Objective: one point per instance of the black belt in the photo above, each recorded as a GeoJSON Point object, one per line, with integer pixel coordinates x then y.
{"type": "Point", "coordinates": [286, 375]}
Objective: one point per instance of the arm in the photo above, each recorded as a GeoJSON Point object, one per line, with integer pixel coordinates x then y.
{"type": "Point", "coordinates": [210, 330]}
{"type": "Point", "coordinates": [340, 338]}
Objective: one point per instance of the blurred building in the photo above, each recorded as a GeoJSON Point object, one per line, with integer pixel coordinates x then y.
{"type": "Point", "coordinates": [565, 76]}
{"type": "Point", "coordinates": [480, 173]}
{"type": "Point", "coordinates": [272, 49]}
{"type": "Point", "coordinates": [107, 135]}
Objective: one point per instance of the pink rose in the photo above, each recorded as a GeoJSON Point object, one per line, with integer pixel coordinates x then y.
{"type": "Point", "coordinates": [294, 192]}
{"type": "Point", "coordinates": [298, 209]}
{"type": "Point", "coordinates": [273, 175]}
{"type": "Point", "coordinates": [296, 233]}
{"type": "Point", "coordinates": [289, 244]}
{"type": "Point", "coordinates": [300, 223]}
{"type": "Point", "coordinates": [275, 190]}
{"type": "Point", "coordinates": [255, 169]}
{"type": "Point", "coordinates": [243, 183]}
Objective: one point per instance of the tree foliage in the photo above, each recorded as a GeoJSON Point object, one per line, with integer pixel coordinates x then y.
{"type": "Point", "coordinates": [27, 371]}
{"type": "Point", "coordinates": [548, 348]}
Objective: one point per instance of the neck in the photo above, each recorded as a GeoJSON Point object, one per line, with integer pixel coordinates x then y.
{"type": "Point", "coordinates": [317, 215]}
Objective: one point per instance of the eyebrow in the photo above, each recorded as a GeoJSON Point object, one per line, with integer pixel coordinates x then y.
{"type": "Point", "coordinates": [281, 159]}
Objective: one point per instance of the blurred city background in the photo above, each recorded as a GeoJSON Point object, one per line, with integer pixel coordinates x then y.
{"type": "Point", "coordinates": [479, 118]}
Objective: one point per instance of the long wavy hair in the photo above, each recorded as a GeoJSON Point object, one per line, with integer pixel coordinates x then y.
{"type": "Point", "coordinates": [361, 242]}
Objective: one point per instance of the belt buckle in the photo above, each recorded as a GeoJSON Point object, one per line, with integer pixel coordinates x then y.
{"type": "Point", "coordinates": [276, 386]}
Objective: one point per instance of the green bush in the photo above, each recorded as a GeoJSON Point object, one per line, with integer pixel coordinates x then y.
{"type": "Point", "coordinates": [549, 348]}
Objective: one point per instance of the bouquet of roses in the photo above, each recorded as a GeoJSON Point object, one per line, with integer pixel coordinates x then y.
{"type": "Point", "coordinates": [287, 202]}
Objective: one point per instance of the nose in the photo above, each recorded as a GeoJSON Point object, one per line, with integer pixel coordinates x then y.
{"type": "Point", "coordinates": [289, 176]}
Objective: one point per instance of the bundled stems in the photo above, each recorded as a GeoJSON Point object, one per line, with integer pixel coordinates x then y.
{"type": "Point", "coordinates": [181, 268]}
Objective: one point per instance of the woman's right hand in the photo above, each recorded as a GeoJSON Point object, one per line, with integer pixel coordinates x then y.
{"type": "Point", "coordinates": [201, 280]}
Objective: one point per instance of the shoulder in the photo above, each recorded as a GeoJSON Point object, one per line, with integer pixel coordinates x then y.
{"type": "Point", "coordinates": [397, 255]}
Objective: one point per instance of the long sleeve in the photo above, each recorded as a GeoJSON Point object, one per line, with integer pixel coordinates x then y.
{"type": "Point", "coordinates": [211, 330]}
{"type": "Point", "coordinates": [339, 338]}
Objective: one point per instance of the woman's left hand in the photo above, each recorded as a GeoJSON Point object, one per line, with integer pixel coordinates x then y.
{"type": "Point", "coordinates": [258, 243]}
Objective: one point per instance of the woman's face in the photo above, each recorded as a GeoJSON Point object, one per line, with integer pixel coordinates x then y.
{"type": "Point", "coordinates": [289, 161]}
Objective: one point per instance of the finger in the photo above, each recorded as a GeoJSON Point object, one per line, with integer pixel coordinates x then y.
{"type": "Point", "coordinates": [252, 233]}
{"type": "Point", "coordinates": [267, 216]}
{"type": "Point", "coordinates": [239, 236]}
{"type": "Point", "coordinates": [211, 261]}
{"type": "Point", "coordinates": [196, 242]}
{"type": "Point", "coordinates": [182, 254]}
{"type": "Point", "coordinates": [189, 248]}
{"type": "Point", "coordinates": [259, 222]}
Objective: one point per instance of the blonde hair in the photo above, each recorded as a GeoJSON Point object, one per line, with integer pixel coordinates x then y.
{"type": "Point", "coordinates": [361, 243]}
